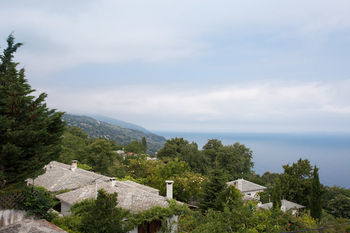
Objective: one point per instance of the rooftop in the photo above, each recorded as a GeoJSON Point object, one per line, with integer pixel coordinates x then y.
{"type": "Point", "coordinates": [60, 176]}
{"type": "Point", "coordinates": [130, 196]}
{"type": "Point", "coordinates": [245, 185]}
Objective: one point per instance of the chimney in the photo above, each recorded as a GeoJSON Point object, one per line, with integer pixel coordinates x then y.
{"type": "Point", "coordinates": [169, 189]}
{"type": "Point", "coordinates": [113, 182]}
{"type": "Point", "coordinates": [74, 165]}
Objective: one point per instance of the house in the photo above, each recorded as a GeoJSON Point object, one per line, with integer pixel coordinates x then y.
{"type": "Point", "coordinates": [249, 189]}
{"type": "Point", "coordinates": [285, 206]}
{"type": "Point", "coordinates": [31, 226]}
{"type": "Point", "coordinates": [80, 184]}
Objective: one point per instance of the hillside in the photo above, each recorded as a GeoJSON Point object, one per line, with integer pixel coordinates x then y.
{"type": "Point", "coordinates": [120, 123]}
{"type": "Point", "coordinates": [120, 135]}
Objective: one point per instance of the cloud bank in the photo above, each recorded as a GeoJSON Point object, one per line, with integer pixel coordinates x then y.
{"type": "Point", "coordinates": [280, 107]}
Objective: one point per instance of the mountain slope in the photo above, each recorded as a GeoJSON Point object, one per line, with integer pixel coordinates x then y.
{"type": "Point", "coordinates": [120, 135]}
{"type": "Point", "coordinates": [120, 123]}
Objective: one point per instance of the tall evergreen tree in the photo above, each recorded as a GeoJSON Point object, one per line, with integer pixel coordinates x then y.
{"type": "Point", "coordinates": [213, 190]}
{"type": "Point", "coordinates": [276, 194]}
{"type": "Point", "coordinates": [30, 133]}
{"type": "Point", "coordinates": [315, 198]}
{"type": "Point", "coordinates": [144, 144]}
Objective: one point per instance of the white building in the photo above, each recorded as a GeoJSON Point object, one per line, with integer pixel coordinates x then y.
{"type": "Point", "coordinates": [249, 189]}
{"type": "Point", "coordinates": [285, 206]}
{"type": "Point", "coordinates": [80, 184]}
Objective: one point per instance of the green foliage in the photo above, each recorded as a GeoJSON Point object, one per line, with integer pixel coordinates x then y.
{"type": "Point", "coordinates": [39, 202]}
{"type": "Point", "coordinates": [100, 155]}
{"type": "Point", "coordinates": [315, 198]}
{"type": "Point", "coordinates": [30, 133]}
{"type": "Point", "coordinates": [336, 201]}
{"type": "Point", "coordinates": [277, 194]}
{"type": "Point", "coordinates": [243, 219]}
{"type": "Point", "coordinates": [212, 190]}
{"type": "Point", "coordinates": [157, 213]}
{"type": "Point", "coordinates": [144, 144]}
{"type": "Point", "coordinates": [231, 198]}
{"type": "Point", "coordinates": [235, 160]}
{"type": "Point", "coordinates": [84, 166]}
{"type": "Point", "coordinates": [184, 151]}
{"type": "Point", "coordinates": [339, 206]}
{"type": "Point", "coordinates": [101, 215]}
{"type": "Point", "coordinates": [74, 144]}
{"type": "Point", "coordinates": [211, 149]}
{"type": "Point", "coordinates": [296, 182]}
{"type": "Point", "coordinates": [135, 147]}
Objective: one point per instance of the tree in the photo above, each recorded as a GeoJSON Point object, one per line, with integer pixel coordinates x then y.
{"type": "Point", "coordinates": [184, 151]}
{"type": "Point", "coordinates": [74, 144]}
{"type": "Point", "coordinates": [212, 190]}
{"type": "Point", "coordinates": [30, 133]}
{"type": "Point", "coordinates": [210, 150]}
{"type": "Point", "coordinates": [235, 160]}
{"type": "Point", "coordinates": [339, 206]}
{"type": "Point", "coordinates": [276, 194]}
{"type": "Point", "coordinates": [144, 144]}
{"type": "Point", "coordinates": [336, 201]}
{"type": "Point", "coordinates": [135, 147]}
{"type": "Point", "coordinates": [100, 155]}
{"type": "Point", "coordinates": [296, 182]}
{"type": "Point", "coordinates": [101, 215]}
{"type": "Point", "coordinates": [315, 199]}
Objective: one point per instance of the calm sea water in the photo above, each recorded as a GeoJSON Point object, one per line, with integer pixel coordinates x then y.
{"type": "Point", "coordinates": [330, 152]}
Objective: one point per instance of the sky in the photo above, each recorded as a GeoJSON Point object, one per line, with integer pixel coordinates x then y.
{"type": "Point", "coordinates": [190, 66]}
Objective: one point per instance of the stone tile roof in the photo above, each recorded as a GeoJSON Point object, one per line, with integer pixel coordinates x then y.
{"type": "Point", "coordinates": [32, 226]}
{"type": "Point", "coordinates": [266, 206]}
{"type": "Point", "coordinates": [59, 176]}
{"type": "Point", "coordinates": [286, 205]}
{"type": "Point", "coordinates": [247, 186]}
{"type": "Point", "coordinates": [290, 205]}
{"type": "Point", "coordinates": [85, 184]}
{"type": "Point", "coordinates": [130, 196]}
{"type": "Point", "coordinates": [143, 187]}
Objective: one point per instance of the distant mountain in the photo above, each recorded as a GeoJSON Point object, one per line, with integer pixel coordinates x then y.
{"type": "Point", "coordinates": [120, 123]}
{"type": "Point", "coordinates": [121, 135]}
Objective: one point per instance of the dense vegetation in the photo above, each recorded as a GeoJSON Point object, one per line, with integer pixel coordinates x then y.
{"type": "Point", "coordinates": [31, 136]}
{"type": "Point", "coordinates": [30, 133]}
{"type": "Point", "coordinates": [120, 135]}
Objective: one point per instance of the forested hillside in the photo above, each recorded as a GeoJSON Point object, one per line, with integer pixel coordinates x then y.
{"type": "Point", "coordinates": [122, 136]}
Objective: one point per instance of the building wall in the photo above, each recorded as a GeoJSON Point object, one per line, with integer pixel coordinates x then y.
{"type": "Point", "coordinates": [65, 208]}
{"type": "Point", "coordinates": [173, 223]}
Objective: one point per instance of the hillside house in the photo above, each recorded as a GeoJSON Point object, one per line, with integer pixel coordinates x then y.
{"type": "Point", "coordinates": [285, 206]}
{"type": "Point", "coordinates": [249, 189]}
{"type": "Point", "coordinates": [80, 184]}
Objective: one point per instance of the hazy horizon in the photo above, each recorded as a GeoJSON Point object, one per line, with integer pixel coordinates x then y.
{"type": "Point", "coordinates": [331, 153]}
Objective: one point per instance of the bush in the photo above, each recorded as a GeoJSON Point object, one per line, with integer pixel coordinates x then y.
{"type": "Point", "coordinates": [38, 202]}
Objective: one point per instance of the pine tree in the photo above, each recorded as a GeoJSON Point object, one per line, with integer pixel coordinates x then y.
{"type": "Point", "coordinates": [30, 133]}
{"type": "Point", "coordinates": [315, 198]}
{"type": "Point", "coordinates": [213, 189]}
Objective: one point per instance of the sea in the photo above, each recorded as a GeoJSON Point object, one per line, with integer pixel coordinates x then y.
{"type": "Point", "coordinates": [329, 152]}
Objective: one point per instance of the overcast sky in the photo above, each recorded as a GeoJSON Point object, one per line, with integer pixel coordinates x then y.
{"type": "Point", "coordinates": [196, 66]}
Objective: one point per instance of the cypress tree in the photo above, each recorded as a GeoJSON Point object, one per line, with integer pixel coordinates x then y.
{"type": "Point", "coordinates": [30, 133]}
{"type": "Point", "coordinates": [144, 144]}
{"type": "Point", "coordinates": [315, 198]}
{"type": "Point", "coordinates": [276, 194]}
